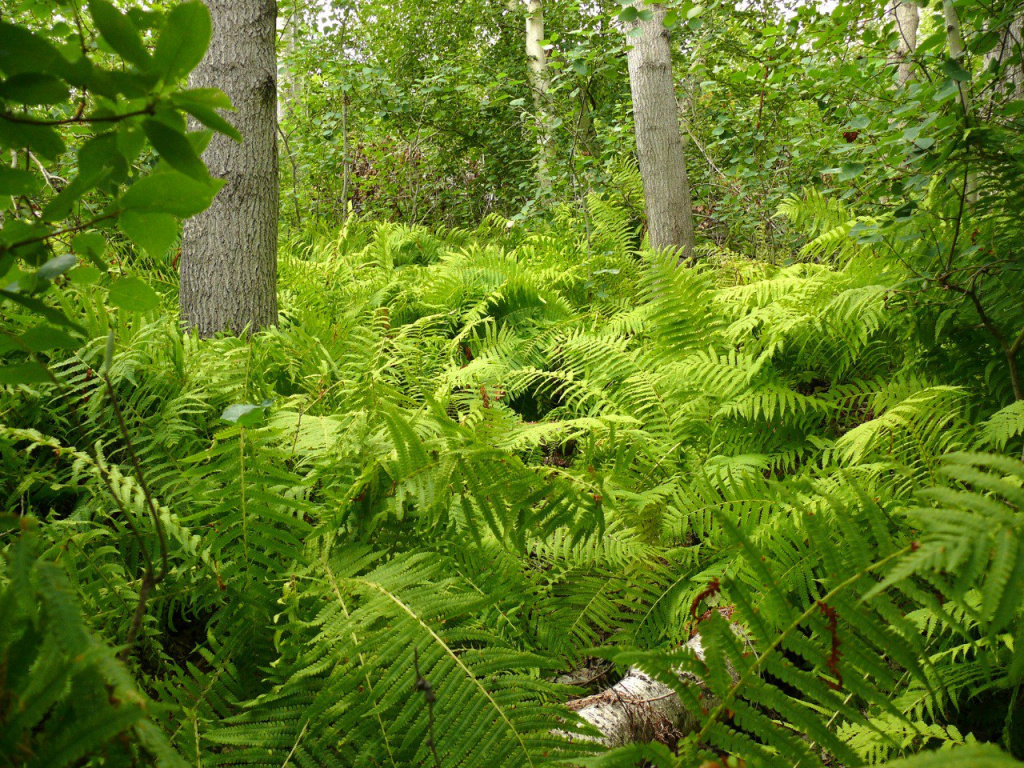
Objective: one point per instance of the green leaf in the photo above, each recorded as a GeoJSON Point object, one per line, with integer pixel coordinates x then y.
{"type": "Point", "coordinates": [133, 294]}
{"type": "Point", "coordinates": [24, 373]}
{"type": "Point", "coordinates": [173, 193]}
{"type": "Point", "coordinates": [42, 338]}
{"type": "Point", "coordinates": [245, 415]}
{"type": "Point", "coordinates": [628, 15]}
{"type": "Point", "coordinates": [34, 88]}
{"type": "Point", "coordinates": [953, 70]}
{"type": "Point", "coordinates": [130, 141]}
{"type": "Point", "coordinates": [948, 89]}
{"type": "Point", "coordinates": [175, 148]}
{"type": "Point", "coordinates": [850, 171]}
{"type": "Point", "coordinates": [22, 51]}
{"type": "Point", "coordinates": [214, 98]}
{"type": "Point", "coordinates": [933, 40]}
{"type": "Point", "coordinates": [183, 41]}
{"type": "Point", "coordinates": [153, 232]}
{"type": "Point", "coordinates": [57, 266]}
{"type": "Point", "coordinates": [84, 275]}
{"type": "Point", "coordinates": [1013, 108]}
{"type": "Point", "coordinates": [60, 206]}
{"type": "Point", "coordinates": [119, 31]}
{"type": "Point", "coordinates": [211, 119]}
{"type": "Point", "coordinates": [92, 245]}
{"type": "Point", "coordinates": [44, 140]}
{"type": "Point", "coordinates": [14, 181]}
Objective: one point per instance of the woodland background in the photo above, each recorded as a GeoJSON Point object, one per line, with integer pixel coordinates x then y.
{"type": "Point", "coordinates": [372, 395]}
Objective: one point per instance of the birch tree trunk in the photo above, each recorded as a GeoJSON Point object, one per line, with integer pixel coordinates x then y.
{"type": "Point", "coordinates": [954, 37]}
{"type": "Point", "coordinates": [540, 84]}
{"type": "Point", "coordinates": [659, 143]}
{"type": "Point", "coordinates": [907, 18]}
{"type": "Point", "coordinates": [229, 252]}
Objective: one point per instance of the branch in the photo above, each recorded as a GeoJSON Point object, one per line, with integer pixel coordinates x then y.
{"type": "Point", "coordinates": [77, 119]}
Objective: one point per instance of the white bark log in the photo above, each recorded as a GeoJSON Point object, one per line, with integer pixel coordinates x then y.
{"type": "Point", "coordinates": [906, 18]}
{"type": "Point", "coordinates": [640, 708]}
{"type": "Point", "coordinates": [659, 142]}
{"type": "Point", "coordinates": [229, 252]}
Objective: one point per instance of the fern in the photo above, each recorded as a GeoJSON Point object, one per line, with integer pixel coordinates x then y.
{"type": "Point", "coordinates": [508, 453]}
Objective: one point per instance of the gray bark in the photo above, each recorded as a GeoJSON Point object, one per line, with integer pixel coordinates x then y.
{"type": "Point", "coordinates": [1010, 41]}
{"type": "Point", "coordinates": [288, 84]}
{"type": "Point", "coordinates": [229, 252]}
{"type": "Point", "coordinates": [906, 18]}
{"type": "Point", "coordinates": [585, 136]}
{"type": "Point", "coordinates": [659, 143]}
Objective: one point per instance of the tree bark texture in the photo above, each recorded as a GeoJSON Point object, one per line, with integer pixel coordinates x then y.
{"type": "Point", "coordinates": [659, 143]}
{"type": "Point", "coordinates": [540, 84]}
{"type": "Point", "coordinates": [953, 35]}
{"type": "Point", "coordinates": [640, 708]}
{"type": "Point", "coordinates": [288, 84]}
{"type": "Point", "coordinates": [906, 18]}
{"type": "Point", "coordinates": [229, 252]}
{"type": "Point", "coordinates": [1011, 74]}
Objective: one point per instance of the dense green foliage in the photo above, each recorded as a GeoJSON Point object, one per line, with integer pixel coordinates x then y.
{"type": "Point", "coordinates": [472, 459]}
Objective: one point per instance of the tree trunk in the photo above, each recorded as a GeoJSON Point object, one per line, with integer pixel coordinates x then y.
{"type": "Point", "coordinates": [229, 252]}
{"type": "Point", "coordinates": [540, 84]}
{"type": "Point", "coordinates": [906, 17]}
{"type": "Point", "coordinates": [954, 37]}
{"type": "Point", "coordinates": [1010, 75]}
{"type": "Point", "coordinates": [659, 143]}
{"type": "Point", "coordinates": [585, 133]}
{"type": "Point", "coordinates": [288, 84]}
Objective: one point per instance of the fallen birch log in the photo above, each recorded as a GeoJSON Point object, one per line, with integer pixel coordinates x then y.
{"type": "Point", "coordinates": [641, 708]}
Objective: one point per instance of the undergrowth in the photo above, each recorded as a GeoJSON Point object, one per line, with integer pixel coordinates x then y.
{"type": "Point", "coordinates": [483, 458]}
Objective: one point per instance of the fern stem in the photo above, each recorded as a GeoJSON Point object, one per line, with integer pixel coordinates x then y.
{"type": "Point", "coordinates": [1008, 723]}
{"type": "Point", "coordinates": [362, 659]}
{"type": "Point", "coordinates": [728, 698]}
{"type": "Point", "coordinates": [295, 746]}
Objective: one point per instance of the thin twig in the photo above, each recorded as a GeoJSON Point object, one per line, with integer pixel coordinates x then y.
{"type": "Point", "coordinates": [428, 693]}
{"type": "Point", "coordinates": [149, 578]}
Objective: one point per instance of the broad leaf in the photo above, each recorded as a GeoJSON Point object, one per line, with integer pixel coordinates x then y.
{"type": "Point", "coordinates": [183, 41]}
{"type": "Point", "coordinates": [119, 31]}
{"type": "Point", "coordinates": [133, 294]}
